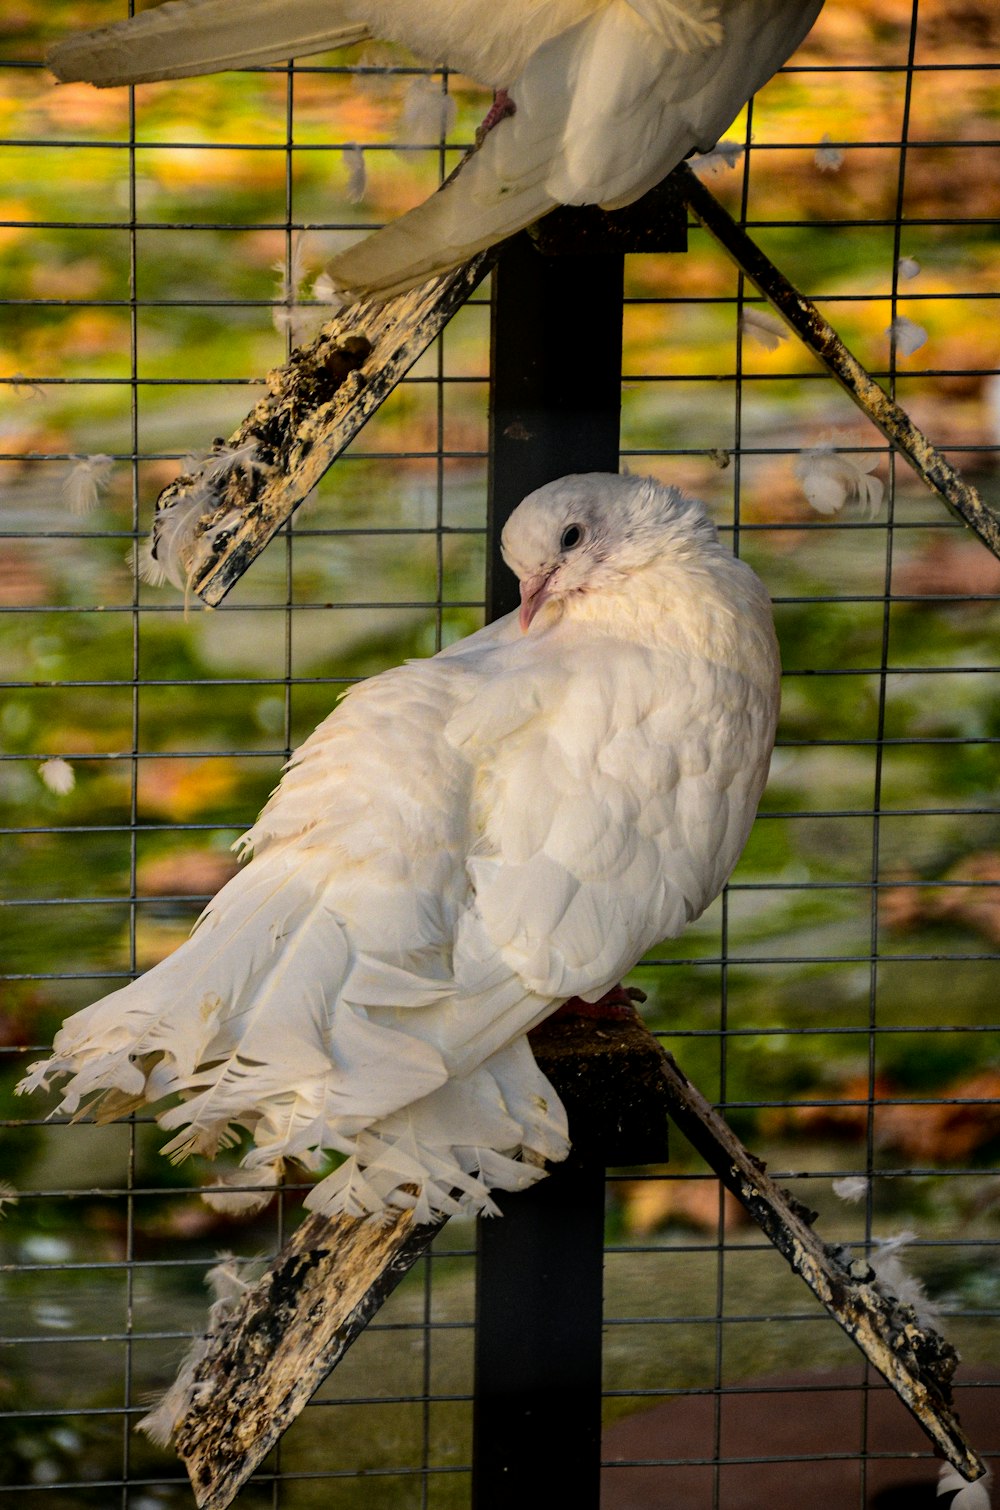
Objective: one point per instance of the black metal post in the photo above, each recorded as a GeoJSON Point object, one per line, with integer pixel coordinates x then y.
{"type": "Point", "coordinates": [555, 382]}
{"type": "Point", "coordinates": [555, 403]}
{"type": "Point", "coordinates": [555, 408]}
{"type": "Point", "coordinates": [536, 1437]}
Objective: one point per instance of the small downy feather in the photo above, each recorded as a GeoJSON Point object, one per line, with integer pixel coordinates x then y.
{"type": "Point", "coordinates": [139, 558]}
{"type": "Point", "coordinates": [85, 481]}
{"type": "Point", "coordinates": [285, 313]}
{"type": "Point", "coordinates": [828, 159]}
{"type": "Point", "coordinates": [852, 1188]}
{"type": "Point", "coordinates": [906, 335]}
{"type": "Point", "coordinates": [181, 550]}
{"type": "Point", "coordinates": [763, 328]}
{"type": "Point", "coordinates": [830, 479]}
{"type": "Point", "coordinates": [724, 155]}
{"type": "Point", "coordinates": [970, 1496]}
{"type": "Point", "coordinates": [892, 1275]}
{"type": "Point", "coordinates": [353, 158]}
{"type": "Point", "coordinates": [252, 1189]}
{"type": "Point", "coordinates": [58, 775]}
{"type": "Point", "coordinates": [24, 387]}
{"type": "Point", "coordinates": [8, 1197]}
{"type": "Point", "coordinates": [428, 113]}
{"type": "Point", "coordinates": [908, 267]}
{"type": "Point", "coordinates": [228, 1281]}
{"type": "Point", "coordinates": [325, 292]}
{"type": "Point", "coordinates": [175, 533]}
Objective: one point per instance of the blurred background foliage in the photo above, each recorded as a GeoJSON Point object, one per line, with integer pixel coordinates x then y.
{"type": "Point", "coordinates": [386, 561]}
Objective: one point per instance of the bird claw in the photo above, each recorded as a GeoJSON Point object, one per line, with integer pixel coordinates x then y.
{"type": "Point", "coordinates": [616, 1005]}
{"type": "Point", "coordinates": [502, 107]}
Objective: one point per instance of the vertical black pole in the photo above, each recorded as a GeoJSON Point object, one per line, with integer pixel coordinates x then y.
{"type": "Point", "coordinates": [555, 405]}
{"type": "Point", "coordinates": [536, 1435]}
{"type": "Point", "coordinates": [555, 382]}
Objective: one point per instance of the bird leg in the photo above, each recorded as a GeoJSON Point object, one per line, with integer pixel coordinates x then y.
{"type": "Point", "coordinates": [618, 1004]}
{"type": "Point", "coordinates": [502, 106]}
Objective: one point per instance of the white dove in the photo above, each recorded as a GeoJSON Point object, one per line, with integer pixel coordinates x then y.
{"type": "Point", "coordinates": [462, 845]}
{"type": "Point", "coordinates": [608, 95]}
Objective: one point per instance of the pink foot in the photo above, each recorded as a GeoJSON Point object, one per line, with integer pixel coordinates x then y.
{"type": "Point", "coordinates": [616, 1005]}
{"type": "Point", "coordinates": [502, 107]}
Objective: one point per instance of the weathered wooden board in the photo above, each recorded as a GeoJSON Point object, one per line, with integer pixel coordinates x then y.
{"type": "Point", "coordinates": [314, 406]}
{"type": "Point", "coordinates": [296, 1323]}
{"type": "Point", "coordinates": [917, 1362]}
{"type": "Point", "coordinates": [820, 337]}
{"type": "Point", "coordinates": [289, 1331]}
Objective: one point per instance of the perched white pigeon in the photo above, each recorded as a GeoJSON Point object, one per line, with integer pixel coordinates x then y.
{"type": "Point", "coordinates": [464, 844]}
{"type": "Point", "coordinates": [608, 95]}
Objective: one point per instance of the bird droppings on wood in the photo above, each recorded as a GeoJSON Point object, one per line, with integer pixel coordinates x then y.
{"type": "Point", "coordinates": [290, 1328]}
{"type": "Point", "coordinates": [295, 1324]}
{"type": "Point", "coordinates": [915, 1360]}
{"type": "Point", "coordinates": [314, 406]}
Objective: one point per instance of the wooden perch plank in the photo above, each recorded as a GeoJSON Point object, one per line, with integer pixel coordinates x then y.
{"type": "Point", "coordinates": [314, 407]}
{"type": "Point", "coordinates": [296, 1323]}
{"type": "Point", "coordinates": [916, 1362]}
{"type": "Point", "coordinates": [820, 337]}
{"type": "Point", "coordinates": [289, 1331]}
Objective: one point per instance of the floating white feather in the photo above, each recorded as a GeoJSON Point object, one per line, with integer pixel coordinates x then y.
{"type": "Point", "coordinates": [852, 1188]}
{"type": "Point", "coordinates": [353, 158]}
{"type": "Point", "coordinates": [58, 775]}
{"type": "Point", "coordinates": [724, 155]}
{"type": "Point", "coordinates": [175, 533]}
{"type": "Point", "coordinates": [827, 158]}
{"type": "Point", "coordinates": [24, 386]}
{"type": "Point", "coordinates": [291, 276]}
{"type": "Point", "coordinates": [325, 292]}
{"type": "Point", "coordinates": [85, 481]}
{"type": "Point", "coordinates": [228, 1282]}
{"type": "Point", "coordinates": [830, 479]}
{"type": "Point", "coordinates": [893, 1276]}
{"type": "Point", "coordinates": [906, 335]}
{"type": "Point", "coordinates": [970, 1496]}
{"type": "Point", "coordinates": [908, 267]}
{"type": "Point", "coordinates": [765, 329]}
{"type": "Point", "coordinates": [428, 113]}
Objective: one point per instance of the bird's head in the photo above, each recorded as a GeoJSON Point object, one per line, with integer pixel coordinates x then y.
{"type": "Point", "coordinates": [593, 531]}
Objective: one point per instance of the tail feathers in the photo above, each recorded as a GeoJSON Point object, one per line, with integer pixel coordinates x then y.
{"type": "Point", "coordinates": [471, 212]}
{"type": "Point", "coordinates": [202, 36]}
{"type": "Point", "coordinates": [490, 1130]}
{"type": "Point", "coordinates": [148, 1039]}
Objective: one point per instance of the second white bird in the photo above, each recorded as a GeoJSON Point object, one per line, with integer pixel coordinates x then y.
{"type": "Point", "coordinates": [608, 95]}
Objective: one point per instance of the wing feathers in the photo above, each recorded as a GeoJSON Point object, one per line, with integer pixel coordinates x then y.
{"type": "Point", "coordinates": [186, 37]}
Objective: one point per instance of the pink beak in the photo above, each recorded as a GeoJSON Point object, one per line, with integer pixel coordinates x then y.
{"type": "Point", "coordinates": [534, 592]}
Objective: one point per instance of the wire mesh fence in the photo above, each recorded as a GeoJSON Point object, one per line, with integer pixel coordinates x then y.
{"type": "Point", "coordinates": [161, 249]}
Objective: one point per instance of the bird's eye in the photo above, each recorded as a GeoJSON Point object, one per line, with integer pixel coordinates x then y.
{"type": "Point", "coordinates": [571, 535]}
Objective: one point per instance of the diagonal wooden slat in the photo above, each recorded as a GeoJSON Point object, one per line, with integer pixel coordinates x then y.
{"type": "Point", "coordinates": [313, 408]}
{"type": "Point", "coordinates": [295, 1324]}
{"type": "Point", "coordinates": [916, 1361]}
{"type": "Point", "coordinates": [291, 1328]}
{"type": "Point", "coordinates": [819, 336]}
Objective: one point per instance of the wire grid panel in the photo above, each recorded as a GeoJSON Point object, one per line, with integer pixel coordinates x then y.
{"type": "Point", "coordinates": [837, 1001]}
